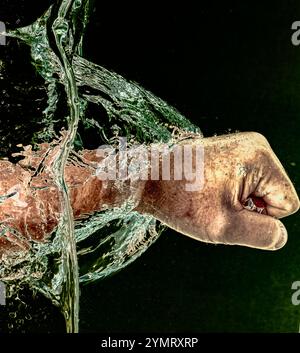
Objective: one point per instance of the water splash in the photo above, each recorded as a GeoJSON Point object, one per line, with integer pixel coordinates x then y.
{"type": "Point", "coordinates": [109, 240]}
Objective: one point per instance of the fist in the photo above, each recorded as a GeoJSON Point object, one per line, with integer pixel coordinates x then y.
{"type": "Point", "coordinates": [240, 170]}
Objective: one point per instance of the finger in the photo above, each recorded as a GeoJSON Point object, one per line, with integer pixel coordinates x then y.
{"type": "Point", "coordinates": [254, 230]}
{"type": "Point", "coordinates": [276, 188]}
{"type": "Point", "coordinates": [281, 198]}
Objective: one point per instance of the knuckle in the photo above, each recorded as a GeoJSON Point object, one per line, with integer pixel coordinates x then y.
{"type": "Point", "coordinates": [258, 140]}
{"type": "Point", "coordinates": [293, 206]}
{"type": "Point", "coordinates": [258, 137]}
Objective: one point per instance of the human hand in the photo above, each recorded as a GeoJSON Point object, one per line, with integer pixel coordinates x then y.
{"type": "Point", "coordinates": [235, 167]}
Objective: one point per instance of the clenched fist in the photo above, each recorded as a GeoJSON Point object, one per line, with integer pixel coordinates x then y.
{"type": "Point", "coordinates": [236, 168]}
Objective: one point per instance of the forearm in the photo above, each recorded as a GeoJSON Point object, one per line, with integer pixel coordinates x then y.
{"type": "Point", "coordinates": [30, 199]}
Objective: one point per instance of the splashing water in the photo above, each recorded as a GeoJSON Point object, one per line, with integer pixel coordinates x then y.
{"type": "Point", "coordinates": [102, 244]}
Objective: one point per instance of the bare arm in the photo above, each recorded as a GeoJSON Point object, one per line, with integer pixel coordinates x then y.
{"type": "Point", "coordinates": [235, 167]}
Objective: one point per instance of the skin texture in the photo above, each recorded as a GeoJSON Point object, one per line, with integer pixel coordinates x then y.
{"type": "Point", "coordinates": [30, 208]}
{"type": "Point", "coordinates": [235, 166]}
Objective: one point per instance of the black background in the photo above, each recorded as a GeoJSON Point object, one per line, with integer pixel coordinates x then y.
{"type": "Point", "coordinates": [227, 66]}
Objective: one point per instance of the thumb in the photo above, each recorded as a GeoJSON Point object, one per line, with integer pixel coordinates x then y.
{"type": "Point", "coordinates": [255, 230]}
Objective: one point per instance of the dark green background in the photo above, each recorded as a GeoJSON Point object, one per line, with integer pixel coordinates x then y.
{"type": "Point", "coordinates": [227, 66]}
